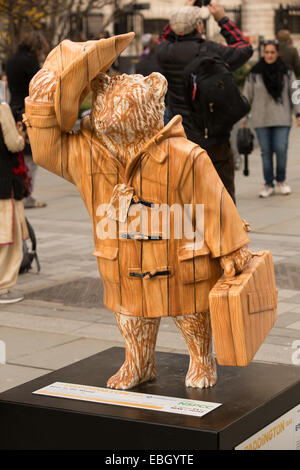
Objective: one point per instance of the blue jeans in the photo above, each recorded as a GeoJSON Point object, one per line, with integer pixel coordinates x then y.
{"type": "Point", "coordinates": [273, 140]}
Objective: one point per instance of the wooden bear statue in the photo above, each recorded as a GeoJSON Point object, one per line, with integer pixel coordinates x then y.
{"type": "Point", "coordinates": [164, 225]}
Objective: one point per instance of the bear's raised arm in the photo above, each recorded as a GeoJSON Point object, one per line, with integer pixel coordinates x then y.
{"type": "Point", "coordinates": [55, 95]}
{"type": "Point", "coordinates": [51, 146]}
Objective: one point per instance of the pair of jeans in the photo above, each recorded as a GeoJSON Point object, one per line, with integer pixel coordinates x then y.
{"type": "Point", "coordinates": [273, 140]}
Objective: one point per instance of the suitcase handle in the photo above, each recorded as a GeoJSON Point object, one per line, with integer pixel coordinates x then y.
{"type": "Point", "coordinates": [230, 282]}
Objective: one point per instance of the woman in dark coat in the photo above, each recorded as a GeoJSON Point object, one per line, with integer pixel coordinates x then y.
{"type": "Point", "coordinates": [20, 68]}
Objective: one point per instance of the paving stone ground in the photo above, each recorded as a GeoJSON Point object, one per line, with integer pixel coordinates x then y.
{"type": "Point", "coordinates": [54, 326]}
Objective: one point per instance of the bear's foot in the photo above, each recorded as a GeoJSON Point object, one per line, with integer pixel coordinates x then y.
{"type": "Point", "coordinates": [128, 377]}
{"type": "Point", "coordinates": [202, 372]}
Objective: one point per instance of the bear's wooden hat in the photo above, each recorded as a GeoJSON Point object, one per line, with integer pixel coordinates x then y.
{"type": "Point", "coordinates": [75, 65]}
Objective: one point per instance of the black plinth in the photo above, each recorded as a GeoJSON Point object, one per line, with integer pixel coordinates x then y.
{"type": "Point", "coordinates": [251, 397]}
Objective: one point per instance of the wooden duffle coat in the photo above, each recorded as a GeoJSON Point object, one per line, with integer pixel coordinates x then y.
{"type": "Point", "coordinates": [148, 276]}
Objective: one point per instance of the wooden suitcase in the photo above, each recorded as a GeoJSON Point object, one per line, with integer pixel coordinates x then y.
{"type": "Point", "coordinates": [243, 310]}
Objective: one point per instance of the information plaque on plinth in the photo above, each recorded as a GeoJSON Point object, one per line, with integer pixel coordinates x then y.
{"type": "Point", "coordinates": [252, 407]}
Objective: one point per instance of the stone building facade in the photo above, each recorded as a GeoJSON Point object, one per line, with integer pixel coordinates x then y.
{"type": "Point", "coordinates": [255, 17]}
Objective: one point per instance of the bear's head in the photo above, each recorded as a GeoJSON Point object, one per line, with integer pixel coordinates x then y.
{"type": "Point", "coordinates": [127, 110]}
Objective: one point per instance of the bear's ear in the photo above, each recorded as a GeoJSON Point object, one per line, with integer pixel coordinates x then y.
{"type": "Point", "coordinates": [157, 84]}
{"type": "Point", "coordinates": [100, 84]}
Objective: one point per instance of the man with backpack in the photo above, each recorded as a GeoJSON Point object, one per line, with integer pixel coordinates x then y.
{"type": "Point", "coordinates": [200, 82]}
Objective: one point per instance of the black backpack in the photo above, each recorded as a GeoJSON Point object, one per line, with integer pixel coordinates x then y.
{"type": "Point", "coordinates": [215, 101]}
{"type": "Point", "coordinates": [29, 256]}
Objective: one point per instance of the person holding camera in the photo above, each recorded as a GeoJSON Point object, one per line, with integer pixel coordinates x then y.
{"type": "Point", "coordinates": [180, 44]}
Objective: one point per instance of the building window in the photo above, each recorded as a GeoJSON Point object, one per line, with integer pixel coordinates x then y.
{"type": "Point", "coordinates": [93, 25]}
{"type": "Point", "coordinates": [288, 18]}
{"type": "Point", "coordinates": [85, 27]}
{"type": "Point", "coordinates": [154, 26]}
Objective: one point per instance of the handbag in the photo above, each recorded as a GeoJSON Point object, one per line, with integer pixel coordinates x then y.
{"type": "Point", "coordinates": [245, 145]}
{"type": "Point", "coordinates": [245, 141]}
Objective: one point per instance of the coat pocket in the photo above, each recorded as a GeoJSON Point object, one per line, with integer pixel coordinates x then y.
{"type": "Point", "coordinates": [108, 263]}
{"type": "Point", "coordinates": [194, 265]}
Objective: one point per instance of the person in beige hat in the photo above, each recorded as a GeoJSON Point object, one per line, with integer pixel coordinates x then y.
{"type": "Point", "coordinates": [180, 44]}
{"type": "Point", "coordinates": [288, 53]}
{"type": "Point", "coordinates": [186, 19]}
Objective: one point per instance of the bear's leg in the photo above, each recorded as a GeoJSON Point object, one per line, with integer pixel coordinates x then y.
{"type": "Point", "coordinates": [196, 330]}
{"type": "Point", "coordinates": [140, 338]}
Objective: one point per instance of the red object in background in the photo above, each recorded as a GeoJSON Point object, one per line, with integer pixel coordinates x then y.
{"type": "Point", "coordinates": [22, 170]}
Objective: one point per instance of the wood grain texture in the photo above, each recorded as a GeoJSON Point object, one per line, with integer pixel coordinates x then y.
{"type": "Point", "coordinates": [243, 310]}
{"type": "Point", "coordinates": [196, 331]}
{"type": "Point", "coordinates": [122, 152]}
{"type": "Point", "coordinates": [140, 336]}
{"type": "Point", "coordinates": [123, 148]}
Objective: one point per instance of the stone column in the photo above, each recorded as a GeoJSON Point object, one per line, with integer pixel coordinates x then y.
{"type": "Point", "coordinates": [258, 17]}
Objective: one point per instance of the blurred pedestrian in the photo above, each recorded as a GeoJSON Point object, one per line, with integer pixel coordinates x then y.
{"type": "Point", "coordinates": [102, 35]}
{"type": "Point", "coordinates": [13, 225]}
{"type": "Point", "coordinates": [3, 78]}
{"type": "Point", "coordinates": [20, 68]}
{"type": "Point", "coordinates": [269, 88]}
{"type": "Point", "coordinates": [288, 53]}
{"type": "Point", "coordinates": [148, 61]}
{"type": "Point", "coordinates": [23, 65]}
{"type": "Point", "coordinates": [146, 40]}
{"type": "Point", "coordinates": [181, 44]}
